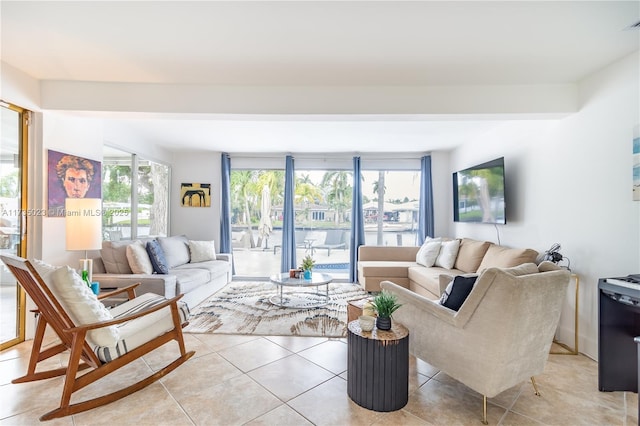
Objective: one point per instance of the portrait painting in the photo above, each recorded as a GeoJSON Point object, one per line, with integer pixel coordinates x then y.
{"type": "Point", "coordinates": [71, 176]}
{"type": "Point", "coordinates": [195, 194]}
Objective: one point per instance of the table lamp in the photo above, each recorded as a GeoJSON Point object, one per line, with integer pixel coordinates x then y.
{"type": "Point", "coordinates": [83, 223]}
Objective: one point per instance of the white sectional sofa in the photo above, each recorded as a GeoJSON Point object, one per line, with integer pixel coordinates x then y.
{"type": "Point", "coordinates": [194, 277]}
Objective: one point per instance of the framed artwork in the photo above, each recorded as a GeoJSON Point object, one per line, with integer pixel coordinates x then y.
{"type": "Point", "coordinates": [195, 194]}
{"type": "Point", "coordinates": [636, 163]}
{"type": "Point", "coordinates": [71, 176]}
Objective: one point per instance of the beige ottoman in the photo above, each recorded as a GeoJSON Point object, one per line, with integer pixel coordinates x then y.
{"type": "Point", "coordinates": [354, 308]}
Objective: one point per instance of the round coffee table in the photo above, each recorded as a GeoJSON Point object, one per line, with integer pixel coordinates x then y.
{"type": "Point", "coordinates": [299, 298]}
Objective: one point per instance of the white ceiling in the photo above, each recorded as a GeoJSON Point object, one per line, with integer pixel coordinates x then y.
{"type": "Point", "coordinates": [305, 43]}
{"type": "Point", "coordinates": [305, 134]}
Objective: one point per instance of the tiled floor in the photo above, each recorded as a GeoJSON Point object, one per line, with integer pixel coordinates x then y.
{"type": "Point", "coordinates": [234, 380]}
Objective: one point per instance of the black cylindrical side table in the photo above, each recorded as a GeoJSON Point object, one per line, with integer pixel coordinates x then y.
{"type": "Point", "coordinates": [378, 367]}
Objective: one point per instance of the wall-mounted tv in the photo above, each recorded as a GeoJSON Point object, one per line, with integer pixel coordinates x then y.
{"type": "Point", "coordinates": [478, 193]}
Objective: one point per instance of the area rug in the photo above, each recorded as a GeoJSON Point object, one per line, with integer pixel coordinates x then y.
{"type": "Point", "coordinates": [244, 308]}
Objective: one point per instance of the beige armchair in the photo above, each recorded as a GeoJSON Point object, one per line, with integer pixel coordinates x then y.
{"type": "Point", "coordinates": [502, 333]}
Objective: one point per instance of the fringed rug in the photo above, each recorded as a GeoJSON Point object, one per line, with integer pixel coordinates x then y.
{"type": "Point", "coordinates": [244, 308]}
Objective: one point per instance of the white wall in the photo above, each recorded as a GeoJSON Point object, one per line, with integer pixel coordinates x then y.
{"type": "Point", "coordinates": [71, 135]}
{"type": "Point", "coordinates": [197, 223]}
{"type": "Point", "coordinates": [569, 181]}
{"type": "Point", "coordinates": [442, 201]}
{"type": "Point", "coordinates": [19, 88]}
{"type": "Point", "coordinates": [117, 136]}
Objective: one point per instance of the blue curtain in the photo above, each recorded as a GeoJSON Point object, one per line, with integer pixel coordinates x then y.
{"type": "Point", "coordinates": [425, 214]}
{"type": "Point", "coordinates": [225, 207]}
{"type": "Point", "coordinates": [288, 259]}
{"type": "Point", "coordinates": [357, 222]}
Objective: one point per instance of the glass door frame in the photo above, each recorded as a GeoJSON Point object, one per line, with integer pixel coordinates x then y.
{"type": "Point", "coordinates": [21, 300]}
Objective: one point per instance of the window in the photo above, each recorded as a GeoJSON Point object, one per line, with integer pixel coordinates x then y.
{"type": "Point", "coordinates": [394, 221]}
{"type": "Point", "coordinates": [153, 199]}
{"type": "Point", "coordinates": [322, 208]}
{"type": "Point", "coordinates": [135, 204]}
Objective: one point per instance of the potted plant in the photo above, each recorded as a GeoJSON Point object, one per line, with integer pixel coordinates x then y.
{"type": "Point", "coordinates": [306, 266]}
{"type": "Point", "coordinates": [385, 305]}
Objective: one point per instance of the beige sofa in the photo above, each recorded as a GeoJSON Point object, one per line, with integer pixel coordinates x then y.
{"type": "Point", "coordinates": [398, 264]}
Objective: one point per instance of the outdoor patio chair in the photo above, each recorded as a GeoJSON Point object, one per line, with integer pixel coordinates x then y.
{"type": "Point", "coordinates": [313, 239]}
{"type": "Point", "coordinates": [98, 339]}
{"type": "Point", "coordinates": [334, 240]}
{"type": "Point", "coordinates": [301, 241]}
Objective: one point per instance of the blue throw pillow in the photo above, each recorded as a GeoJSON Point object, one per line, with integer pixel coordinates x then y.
{"type": "Point", "coordinates": [156, 255]}
{"type": "Point", "coordinates": [457, 292]}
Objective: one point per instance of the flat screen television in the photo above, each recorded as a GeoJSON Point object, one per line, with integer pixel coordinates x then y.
{"type": "Point", "coordinates": [478, 193]}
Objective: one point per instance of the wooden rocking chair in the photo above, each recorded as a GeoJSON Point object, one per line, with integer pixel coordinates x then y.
{"type": "Point", "coordinates": [144, 323]}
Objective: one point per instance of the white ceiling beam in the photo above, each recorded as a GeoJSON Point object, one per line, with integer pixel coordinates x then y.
{"type": "Point", "coordinates": [194, 99]}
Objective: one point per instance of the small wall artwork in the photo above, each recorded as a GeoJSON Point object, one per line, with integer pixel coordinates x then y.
{"type": "Point", "coordinates": [71, 176]}
{"type": "Point", "coordinates": [195, 194]}
{"type": "Point", "coordinates": [636, 163]}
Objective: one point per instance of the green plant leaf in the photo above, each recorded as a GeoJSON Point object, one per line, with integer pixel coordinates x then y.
{"type": "Point", "coordinates": [386, 304]}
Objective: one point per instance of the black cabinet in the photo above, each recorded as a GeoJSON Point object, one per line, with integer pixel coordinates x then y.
{"type": "Point", "coordinates": [619, 324]}
{"type": "Point", "coordinates": [638, 342]}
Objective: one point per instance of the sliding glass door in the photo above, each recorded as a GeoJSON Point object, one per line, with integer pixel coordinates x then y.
{"type": "Point", "coordinates": [322, 205]}
{"type": "Point", "coordinates": [323, 218]}
{"type": "Point", "coordinates": [256, 221]}
{"type": "Point", "coordinates": [13, 184]}
{"type": "Point", "coordinates": [322, 209]}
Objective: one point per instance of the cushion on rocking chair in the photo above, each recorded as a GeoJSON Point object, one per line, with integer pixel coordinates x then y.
{"type": "Point", "coordinates": [81, 304]}
{"type": "Point", "coordinates": [141, 330]}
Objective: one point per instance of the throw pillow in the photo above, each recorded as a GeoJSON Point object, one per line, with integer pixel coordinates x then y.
{"type": "Point", "coordinates": [176, 250]}
{"type": "Point", "coordinates": [201, 251]}
{"type": "Point", "coordinates": [139, 259]}
{"type": "Point", "coordinates": [114, 257]}
{"type": "Point", "coordinates": [82, 305]}
{"type": "Point", "coordinates": [156, 256]}
{"type": "Point", "coordinates": [524, 269]}
{"type": "Point", "coordinates": [503, 257]}
{"type": "Point", "coordinates": [428, 253]}
{"type": "Point", "coordinates": [448, 253]}
{"type": "Point", "coordinates": [457, 292]}
{"type": "Point", "coordinates": [547, 266]}
{"type": "Point", "coordinates": [470, 254]}
{"type": "Point", "coordinates": [43, 269]}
